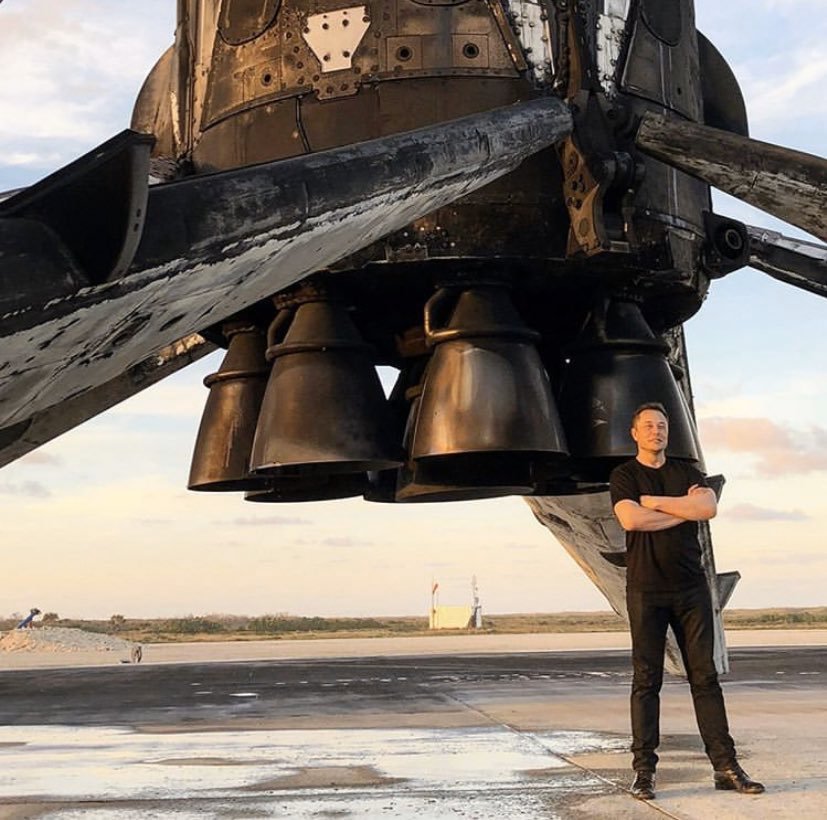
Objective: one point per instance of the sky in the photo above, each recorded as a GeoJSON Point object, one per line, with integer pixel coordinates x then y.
{"type": "Point", "coordinates": [99, 521]}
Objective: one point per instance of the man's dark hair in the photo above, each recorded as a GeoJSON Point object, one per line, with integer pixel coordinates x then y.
{"type": "Point", "coordinates": [649, 405]}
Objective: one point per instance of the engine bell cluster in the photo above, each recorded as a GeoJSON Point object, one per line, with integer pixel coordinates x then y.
{"type": "Point", "coordinates": [297, 413]}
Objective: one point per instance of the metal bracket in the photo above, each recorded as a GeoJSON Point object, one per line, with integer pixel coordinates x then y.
{"type": "Point", "coordinates": [584, 201]}
{"type": "Point", "coordinates": [335, 35]}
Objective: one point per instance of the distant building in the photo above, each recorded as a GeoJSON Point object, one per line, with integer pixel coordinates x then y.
{"type": "Point", "coordinates": [455, 617]}
{"type": "Point", "coordinates": [451, 617]}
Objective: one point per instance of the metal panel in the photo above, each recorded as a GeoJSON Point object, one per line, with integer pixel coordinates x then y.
{"type": "Point", "coordinates": [470, 50]}
{"type": "Point", "coordinates": [330, 123]}
{"type": "Point", "coordinates": [530, 19]}
{"type": "Point", "coordinates": [250, 137]}
{"type": "Point", "coordinates": [611, 36]}
{"type": "Point", "coordinates": [334, 36]}
{"type": "Point", "coordinates": [665, 74]}
{"type": "Point", "coordinates": [663, 19]}
{"type": "Point", "coordinates": [241, 76]}
{"type": "Point", "coordinates": [404, 52]}
{"type": "Point", "coordinates": [335, 51]}
{"type": "Point", "coordinates": [243, 20]}
{"type": "Point", "coordinates": [723, 102]}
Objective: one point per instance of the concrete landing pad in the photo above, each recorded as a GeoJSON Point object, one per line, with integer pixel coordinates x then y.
{"type": "Point", "coordinates": [539, 735]}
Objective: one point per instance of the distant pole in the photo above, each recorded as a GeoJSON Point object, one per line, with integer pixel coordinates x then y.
{"type": "Point", "coordinates": [476, 617]}
{"type": "Point", "coordinates": [434, 589]}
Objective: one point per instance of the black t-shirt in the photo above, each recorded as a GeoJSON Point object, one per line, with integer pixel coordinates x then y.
{"type": "Point", "coordinates": [667, 559]}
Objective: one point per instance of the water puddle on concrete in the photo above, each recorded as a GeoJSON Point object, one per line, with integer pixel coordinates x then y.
{"type": "Point", "coordinates": [401, 773]}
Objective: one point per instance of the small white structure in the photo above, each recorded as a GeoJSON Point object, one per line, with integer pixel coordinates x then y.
{"type": "Point", "coordinates": [451, 617]}
{"type": "Point", "coordinates": [455, 617]}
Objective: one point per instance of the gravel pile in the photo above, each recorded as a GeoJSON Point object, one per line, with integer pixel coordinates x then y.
{"type": "Point", "coordinates": [61, 639]}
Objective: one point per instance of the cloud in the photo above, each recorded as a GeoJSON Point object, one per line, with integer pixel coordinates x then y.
{"type": "Point", "coordinates": [29, 489]}
{"type": "Point", "coordinates": [39, 457]}
{"type": "Point", "coordinates": [777, 451]}
{"type": "Point", "coordinates": [798, 75]}
{"type": "Point", "coordinates": [516, 546]}
{"type": "Point", "coordinates": [31, 157]}
{"type": "Point", "coordinates": [796, 7]}
{"type": "Point", "coordinates": [775, 79]}
{"type": "Point", "coordinates": [344, 541]}
{"type": "Point", "coordinates": [783, 559]}
{"type": "Point", "coordinates": [76, 67]}
{"type": "Point", "coordinates": [751, 512]}
{"type": "Point", "coordinates": [743, 434]}
{"type": "Point", "coordinates": [266, 521]}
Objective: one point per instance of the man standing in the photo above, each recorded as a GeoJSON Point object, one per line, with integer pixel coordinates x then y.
{"type": "Point", "coordinates": [658, 501]}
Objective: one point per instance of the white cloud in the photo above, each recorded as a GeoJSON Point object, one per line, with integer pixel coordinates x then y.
{"type": "Point", "coordinates": [774, 449]}
{"type": "Point", "coordinates": [77, 67]}
{"type": "Point", "coordinates": [795, 79]}
{"type": "Point", "coordinates": [265, 521]}
{"type": "Point", "coordinates": [28, 489]}
{"type": "Point", "coordinates": [779, 62]}
{"type": "Point", "coordinates": [39, 457]}
{"type": "Point", "coordinates": [796, 7]}
{"type": "Point", "coordinates": [752, 512]}
{"type": "Point", "coordinates": [30, 158]}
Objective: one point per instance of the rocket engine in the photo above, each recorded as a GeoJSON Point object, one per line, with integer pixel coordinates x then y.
{"type": "Point", "coordinates": [526, 319]}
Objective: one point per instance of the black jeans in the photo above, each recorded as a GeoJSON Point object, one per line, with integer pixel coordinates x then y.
{"type": "Point", "coordinates": [689, 613]}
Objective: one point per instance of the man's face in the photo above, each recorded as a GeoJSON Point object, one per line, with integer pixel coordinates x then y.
{"type": "Point", "coordinates": [651, 431]}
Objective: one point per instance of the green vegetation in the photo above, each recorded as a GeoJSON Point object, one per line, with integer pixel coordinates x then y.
{"type": "Point", "coordinates": [811, 618]}
{"type": "Point", "coordinates": [284, 626]}
{"type": "Point", "coordinates": [237, 627]}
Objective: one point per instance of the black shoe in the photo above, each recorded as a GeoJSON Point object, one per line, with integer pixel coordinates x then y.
{"type": "Point", "coordinates": [736, 779]}
{"type": "Point", "coordinates": [643, 786]}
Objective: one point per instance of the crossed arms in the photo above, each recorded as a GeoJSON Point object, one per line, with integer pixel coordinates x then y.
{"type": "Point", "coordinates": [662, 512]}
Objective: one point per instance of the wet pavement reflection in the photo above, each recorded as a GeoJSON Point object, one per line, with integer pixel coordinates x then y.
{"type": "Point", "coordinates": [538, 736]}
{"type": "Point", "coordinates": [473, 772]}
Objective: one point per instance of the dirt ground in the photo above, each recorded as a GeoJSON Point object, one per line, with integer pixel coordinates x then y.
{"type": "Point", "coordinates": [234, 651]}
